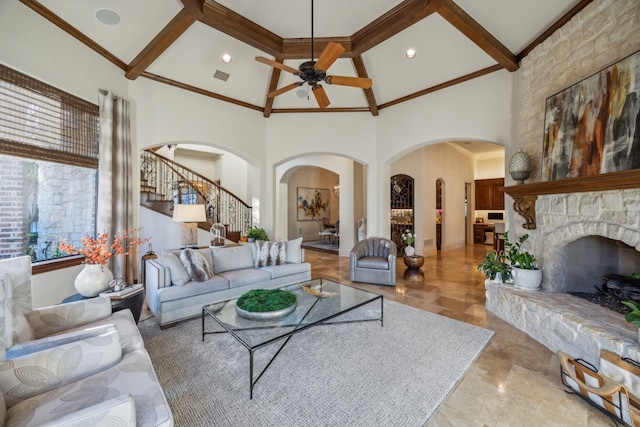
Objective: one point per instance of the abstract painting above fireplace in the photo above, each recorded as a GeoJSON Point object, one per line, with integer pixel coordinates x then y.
{"type": "Point", "coordinates": [590, 127]}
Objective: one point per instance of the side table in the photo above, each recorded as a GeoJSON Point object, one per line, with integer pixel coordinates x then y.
{"type": "Point", "coordinates": [133, 302]}
{"type": "Point", "coordinates": [413, 271]}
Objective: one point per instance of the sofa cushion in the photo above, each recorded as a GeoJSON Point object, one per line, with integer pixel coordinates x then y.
{"type": "Point", "coordinates": [270, 253]}
{"type": "Point", "coordinates": [196, 264]}
{"type": "Point", "coordinates": [58, 366]}
{"type": "Point", "coordinates": [277, 271]}
{"type": "Point", "coordinates": [234, 258]}
{"type": "Point", "coordinates": [294, 250]}
{"type": "Point", "coordinates": [375, 262]}
{"type": "Point", "coordinates": [179, 275]}
{"type": "Point", "coordinates": [172, 293]}
{"type": "Point", "coordinates": [133, 375]}
{"type": "Point", "coordinates": [246, 276]}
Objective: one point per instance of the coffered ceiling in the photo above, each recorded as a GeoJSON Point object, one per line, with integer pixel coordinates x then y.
{"type": "Point", "coordinates": [181, 42]}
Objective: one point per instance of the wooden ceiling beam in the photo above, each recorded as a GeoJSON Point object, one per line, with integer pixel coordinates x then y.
{"type": "Point", "coordinates": [468, 26]}
{"type": "Point", "coordinates": [161, 42]}
{"type": "Point", "coordinates": [200, 91]}
{"type": "Point", "coordinates": [235, 25]}
{"type": "Point", "coordinates": [368, 93]}
{"type": "Point", "coordinates": [441, 86]}
{"type": "Point", "coordinates": [300, 48]}
{"type": "Point", "coordinates": [555, 26]}
{"type": "Point", "coordinates": [391, 23]}
{"type": "Point", "coordinates": [73, 32]}
{"type": "Point", "coordinates": [273, 85]}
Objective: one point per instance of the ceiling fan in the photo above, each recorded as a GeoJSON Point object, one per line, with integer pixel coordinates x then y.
{"type": "Point", "coordinates": [314, 72]}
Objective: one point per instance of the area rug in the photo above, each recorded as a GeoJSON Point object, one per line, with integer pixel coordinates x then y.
{"type": "Point", "coordinates": [351, 374]}
{"type": "Point", "coordinates": [321, 246]}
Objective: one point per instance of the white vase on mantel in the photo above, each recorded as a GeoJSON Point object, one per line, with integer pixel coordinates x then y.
{"type": "Point", "coordinates": [409, 250]}
{"type": "Point", "coordinates": [93, 279]}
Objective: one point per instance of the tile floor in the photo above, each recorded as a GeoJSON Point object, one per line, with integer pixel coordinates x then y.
{"type": "Point", "coordinates": [515, 381]}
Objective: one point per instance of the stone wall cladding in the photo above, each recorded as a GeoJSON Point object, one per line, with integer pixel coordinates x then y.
{"type": "Point", "coordinates": [601, 34]}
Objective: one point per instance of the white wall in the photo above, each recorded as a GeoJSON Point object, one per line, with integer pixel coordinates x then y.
{"type": "Point", "coordinates": [161, 114]}
{"type": "Point", "coordinates": [33, 46]}
{"type": "Point", "coordinates": [426, 165]}
{"type": "Point", "coordinates": [492, 167]}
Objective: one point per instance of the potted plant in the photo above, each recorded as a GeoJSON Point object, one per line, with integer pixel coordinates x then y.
{"type": "Point", "coordinates": [256, 233]}
{"type": "Point", "coordinates": [409, 238]}
{"type": "Point", "coordinates": [495, 267]}
{"type": "Point", "coordinates": [634, 315]}
{"type": "Point", "coordinates": [523, 270]}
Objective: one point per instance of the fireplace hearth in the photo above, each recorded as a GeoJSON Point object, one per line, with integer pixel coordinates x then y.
{"type": "Point", "coordinates": [590, 233]}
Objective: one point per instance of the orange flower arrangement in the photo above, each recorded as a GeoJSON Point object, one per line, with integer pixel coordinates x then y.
{"type": "Point", "coordinates": [96, 250]}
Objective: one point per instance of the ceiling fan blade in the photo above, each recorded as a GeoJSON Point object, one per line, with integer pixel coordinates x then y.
{"type": "Point", "coordinates": [276, 64]}
{"type": "Point", "coordinates": [321, 96]}
{"type": "Point", "coordinates": [282, 90]}
{"type": "Point", "coordinates": [329, 55]}
{"type": "Point", "coordinates": [361, 82]}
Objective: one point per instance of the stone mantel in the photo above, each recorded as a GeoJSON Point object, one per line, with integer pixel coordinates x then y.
{"type": "Point", "coordinates": [525, 195]}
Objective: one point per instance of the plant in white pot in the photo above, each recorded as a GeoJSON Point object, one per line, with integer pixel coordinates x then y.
{"type": "Point", "coordinates": [634, 315]}
{"type": "Point", "coordinates": [494, 266]}
{"type": "Point", "coordinates": [523, 270]}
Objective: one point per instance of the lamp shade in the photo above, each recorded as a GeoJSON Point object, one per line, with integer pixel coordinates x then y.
{"type": "Point", "coordinates": [189, 213]}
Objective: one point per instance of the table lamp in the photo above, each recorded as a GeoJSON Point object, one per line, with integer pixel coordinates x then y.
{"type": "Point", "coordinates": [189, 216]}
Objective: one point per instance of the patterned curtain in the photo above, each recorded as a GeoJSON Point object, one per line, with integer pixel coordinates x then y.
{"type": "Point", "coordinates": [115, 176]}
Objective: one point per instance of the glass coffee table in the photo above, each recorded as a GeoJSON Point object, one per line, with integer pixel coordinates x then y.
{"type": "Point", "coordinates": [311, 311]}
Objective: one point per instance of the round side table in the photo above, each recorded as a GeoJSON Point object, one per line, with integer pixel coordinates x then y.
{"type": "Point", "coordinates": [413, 271]}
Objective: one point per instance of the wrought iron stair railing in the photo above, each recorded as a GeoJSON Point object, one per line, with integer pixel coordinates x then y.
{"type": "Point", "coordinates": [163, 182]}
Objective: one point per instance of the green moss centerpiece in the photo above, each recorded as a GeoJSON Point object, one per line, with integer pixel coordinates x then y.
{"type": "Point", "coordinates": [266, 304]}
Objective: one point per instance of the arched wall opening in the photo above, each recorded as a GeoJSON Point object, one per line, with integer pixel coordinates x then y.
{"type": "Point", "coordinates": [456, 163]}
{"type": "Point", "coordinates": [351, 198]}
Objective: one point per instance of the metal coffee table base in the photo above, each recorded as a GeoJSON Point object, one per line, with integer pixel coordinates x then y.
{"type": "Point", "coordinates": [298, 328]}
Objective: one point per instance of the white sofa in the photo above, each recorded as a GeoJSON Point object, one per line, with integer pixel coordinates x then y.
{"type": "Point", "coordinates": [171, 297]}
{"type": "Point", "coordinates": [72, 364]}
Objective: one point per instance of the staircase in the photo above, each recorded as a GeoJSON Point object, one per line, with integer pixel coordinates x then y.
{"type": "Point", "coordinates": [164, 182]}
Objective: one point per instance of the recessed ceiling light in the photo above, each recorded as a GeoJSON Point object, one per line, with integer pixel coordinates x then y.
{"type": "Point", "coordinates": [226, 58]}
{"type": "Point", "coordinates": [411, 53]}
{"type": "Point", "coordinates": [108, 17]}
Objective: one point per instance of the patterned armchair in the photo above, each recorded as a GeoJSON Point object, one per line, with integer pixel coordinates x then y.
{"type": "Point", "coordinates": [25, 326]}
{"type": "Point", "coordinates": [373, 260]}
{"type": "Point", "coordinates": [64, 368]}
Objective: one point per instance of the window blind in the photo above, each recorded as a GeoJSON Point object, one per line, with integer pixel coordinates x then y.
{"type": "Point", "coordinates": [42, 122]}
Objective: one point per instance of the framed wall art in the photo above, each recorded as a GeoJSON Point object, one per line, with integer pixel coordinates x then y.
{"type": "Point", "coordinates": [593, 127]}
{"type": "Point", "coordinates": [313, 203]}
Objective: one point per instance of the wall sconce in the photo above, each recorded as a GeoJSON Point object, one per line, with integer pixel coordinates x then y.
{"type": "Point", "coordinates": [189, 216]}
{"type": "Point", "coordinates": [336, 190]}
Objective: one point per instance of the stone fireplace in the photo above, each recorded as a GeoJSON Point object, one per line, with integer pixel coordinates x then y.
{"type": "Point", "coordinates": [599, 229]}
{"type": "Point", "coordinates": [566, 218]}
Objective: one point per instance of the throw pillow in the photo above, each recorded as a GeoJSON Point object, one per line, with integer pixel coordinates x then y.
{"type": "Point", "coordinates": [294, 250]}
{"type": "Point", "coordinates": [270, 253]}
{"type": "Point", "coordinates": [233, 258]}
{"type": "Point", "coordinates": [179, 275]}
{"type": "Point", "coordinates": [196, 265]}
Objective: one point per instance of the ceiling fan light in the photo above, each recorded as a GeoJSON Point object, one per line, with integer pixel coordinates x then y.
{"type": "Point", "coordinates": [410, 54]}
{"type": "Point", "coordinates": [301, 93]}
{"type": "Point", "coordinates": [226, 58]}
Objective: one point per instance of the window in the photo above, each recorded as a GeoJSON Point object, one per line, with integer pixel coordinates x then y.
{"type": "Point", "coordinates": [48, 167]}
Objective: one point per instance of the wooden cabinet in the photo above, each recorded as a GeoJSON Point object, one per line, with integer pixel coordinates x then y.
{"type": "Point", "coordinates": [489, 196]}
{"type": "Point", "coordinates": [478, 233]}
